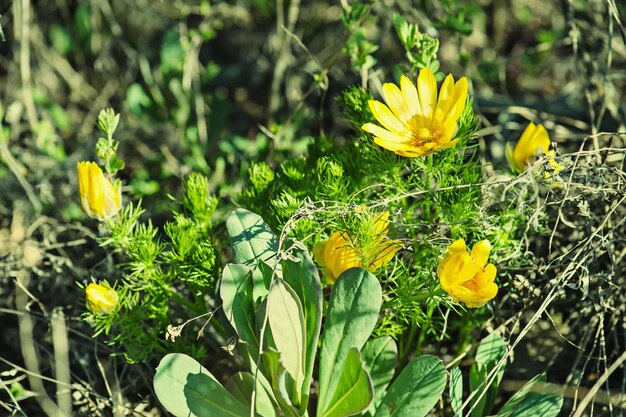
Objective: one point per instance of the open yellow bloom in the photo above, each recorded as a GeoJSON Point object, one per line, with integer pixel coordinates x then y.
{"type": "Point", "coordinates": [340, 253]}
{"type": "Point", "coordinates": [533, 142]}
{"type": "Point", "coordinates": [101, 299]}
{"type": "Point", "coordinates": [468, 277]}
{"type": "Point", "coordinates": [414, 122]}
{"type": "Point", "coordinates": [98, 196]}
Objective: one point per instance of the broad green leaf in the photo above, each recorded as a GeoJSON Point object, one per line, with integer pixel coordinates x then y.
{"type": "Point", "coordinates": [536, 399]}
{"type": "Point", "coordinates": [300, 273]}
{"type": "Point", "coordinates": [281, 382]}
{"type": "Point", "coordinates": [268, 273]}
{"type": "Point", "coordinates": [285, 318]}
{"type": "Point", "coordinates": [236, 294]}
{"type": "Point", "coordinates": [352, 314]}
{"type": "Point", "coordinates": [478, 373]}
{"type": "Point", "coordinates": [456, 391]}
{"type": "Point", "coordinates": [489, 353]}
{"type": "Point", "coordinates": [187, 389]}
{"type": "Point", "coordinates": [354, 391]}
{"type": "Point", "coordinates": [380, 356]}
{"type": "Point", "coordinates": [252, 242]}
{"type": "Point", "coordinates": [416, 390]}
{"type": "Point", "coordinates": [241, 386]}
{"type": "Point", "coordinates": [491, 348]}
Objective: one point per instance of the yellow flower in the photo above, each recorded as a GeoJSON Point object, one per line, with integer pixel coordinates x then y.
{"type": "Point", "coordinates": [468, 278]}
{"type": "Point", "coordinates": [533, 142]}
{"type": "Point", "coordinates": [98, 196]}
{"type": "Point", "coordinates": [340, 253]}
{"type": "Point", "coordinates": [414, 123]}
{"type": "Point", "coordinates": [337, 254]}
{"type": "Point", "coordinates": [101, 299]}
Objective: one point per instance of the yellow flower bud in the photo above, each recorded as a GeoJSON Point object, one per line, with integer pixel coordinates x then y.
{"type": "Point", "coordinates": [340, 253]}
{"type": "Point", "coordinates": [98, 196]}
{"type": "Point", "coordinates": [533, 142]}
{"type": "Point", "coordinates": [337, 254]}
{"type": "Point", "coordinates": [101, 299]}
{"type": "Point", "coordinates": [468, 277]}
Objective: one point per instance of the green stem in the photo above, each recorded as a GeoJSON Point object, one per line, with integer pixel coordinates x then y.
{"type": "Point", "coordinates": [425, 328]}
{"type": "Point", "coordinates": [428, 196]}
{"type": "Point", "coordinates": [184, 302]}
{"type": "Point", "coordinates": [465, 332]}
{"type": "Point", "coordinates": [405, 346]}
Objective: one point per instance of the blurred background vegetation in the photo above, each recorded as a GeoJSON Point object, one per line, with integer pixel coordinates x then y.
{"type": "Point", "coordinates": [215, 87]}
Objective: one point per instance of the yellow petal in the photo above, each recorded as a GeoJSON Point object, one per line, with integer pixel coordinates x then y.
{"type": "Point", "coordinates": [99, 197]}
{"type": "Point", "coordinates": [480, 252]}
{"type": "Point", "coordinates": [386, 251]}
{"type": "Point", "coordinates": [381, 224]}
{"type": "Point", "coordinates": [508, 150]}
{"type": "Point", "coordinates": [82, 169]}
{"type": "Point", "coordinates": [456, 269]}
{"type": "Point", "coordinates": [395, 101]}
{"type": "Point", "coordinates": [427, 92]}
{"type": "Point", "coordinates": [339, 255]}
{"type": "Point", "coordinates": [100, 299]}
{"type": "Point", "coordinates": [540, 140]}
{"type": "Point", "coordinates": [446, 97]}
{"type": "Point", "coordinates": [385, 134]}
{"type": "Point", "coordinates": [413, 151]}
{"type": "Point", "coordinates": [524, 148]}
{"type": "Point", "coordinates": [474, 299]}
{"type": "Point", "coordinates": [449, 129]}
{"type": "Point", "coordinates": [458, 102]}
{"type": "Point", "coordinates": [485, 288]}
{"type": "Point", "coordinates": [409, 93]}
{"type": "Point", "coordinates": [534, 141]}
{"type": "Point", "coordinates": [487, 275]}
{"type": "Point", "coordinates": [449, 144]}
{"type": "Point", "coordinates": [386, 118]}
{"type": "Point", "coordinates": [457, 246]}
{"type": "Point", "coordinates": [409, 152]}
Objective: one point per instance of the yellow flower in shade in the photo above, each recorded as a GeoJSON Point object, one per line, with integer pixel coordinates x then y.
{"type": "Point", "coordinates": [340, 252]}
{"type": "Point", "coordinates": [533, 142]}
{"type": "Point", "coordinates": [414, 122]}
{"type": "Point", "coordinates": [468, 277]}
{"type": "Point", "coordinates": [98, 196]}
{"type": "Point", "coordinates": [101, 299]}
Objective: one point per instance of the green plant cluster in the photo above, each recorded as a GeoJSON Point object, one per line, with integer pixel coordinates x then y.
{"type": "Point", "coordinates": [431, 200]}
{"type": "Point", "coordinates": [272, 298]}
{"type": "Point", "coordinates": [164, 275]}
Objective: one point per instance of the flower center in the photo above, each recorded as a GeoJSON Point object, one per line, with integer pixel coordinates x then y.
{"type": "Point", "coordinates": [471, 285]}
{"type": "Point", "coordinates": [424, 130]}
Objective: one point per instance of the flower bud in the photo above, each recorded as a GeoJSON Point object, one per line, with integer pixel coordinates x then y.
{"type": "Point", "coordinates": [533, 142]}
{"type": "Point", "coordinates": [339, 253]}
{"type": "Point", "coordinates": [101, 299]}
{"type": "Point", "coordinates": [98, 196]}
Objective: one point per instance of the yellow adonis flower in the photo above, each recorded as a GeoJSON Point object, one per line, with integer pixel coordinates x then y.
{"type": "Point", "coordinates": [414, 122]}
{"type": "Point", "coordinates": [98, 196]}
{"type": "Point", "coordinates": [468, 277]}
{"type": "Point", "coordinates": [533, 142]}
{"type": "Point", "coordinates": [340, 252]}
{"type": "Point", "coordinates": [101, 299]}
